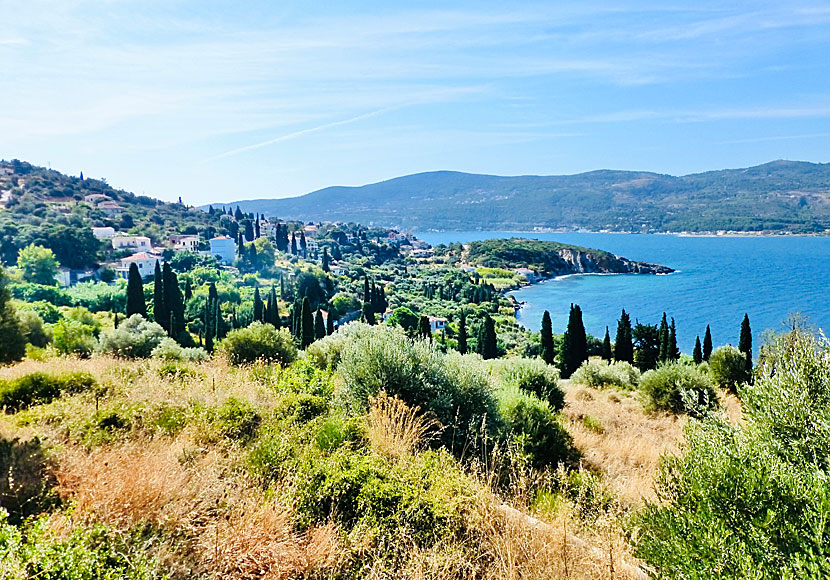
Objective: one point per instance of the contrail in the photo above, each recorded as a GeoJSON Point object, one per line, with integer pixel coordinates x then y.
{"type": "Point", "coordinates": [301, 133]}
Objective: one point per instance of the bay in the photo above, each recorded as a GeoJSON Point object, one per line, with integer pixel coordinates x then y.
{"type": "Point", "coordinates": [718, 279]}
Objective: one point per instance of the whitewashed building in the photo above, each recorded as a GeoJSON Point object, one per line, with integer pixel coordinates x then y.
{"type": "Point", "coordinates": [131, 243]}
{"type": "Point", "coordinates": [223, 248]}
{"type": "Point", "coordinates": [145, 261]}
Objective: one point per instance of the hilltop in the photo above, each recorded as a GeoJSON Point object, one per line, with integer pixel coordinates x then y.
{"type": "Point", "coordinates": [777, 197]}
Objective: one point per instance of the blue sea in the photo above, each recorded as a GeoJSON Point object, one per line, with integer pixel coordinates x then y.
{"type": "Point", "coordinates": [718, 279]}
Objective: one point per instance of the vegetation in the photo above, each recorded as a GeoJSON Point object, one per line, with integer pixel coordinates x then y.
{"type": "Point", "coordinates": [679, 388]}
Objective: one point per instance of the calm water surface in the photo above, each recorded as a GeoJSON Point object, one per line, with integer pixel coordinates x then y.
{"type": "Point", "coordinates": [718, 279]}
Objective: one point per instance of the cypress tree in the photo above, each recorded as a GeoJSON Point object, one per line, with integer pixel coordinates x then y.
{"type": "Point", "coordinates": [326, 267]}
{"type": "Point", "coordinates": [664, 340]}
{"type": "Point", "coordinates": [424, 330]}
{"type": "Point", "coordinates": [488, 343]}
{"type": "Point", "coordinates": [293, 244]}
{"type": "Point", "coordinates": [306, 324]}
{"type": "Point", "coordinates": [319, 325]}
{"type": "Point", "coordinates": [548, 352]}
{"type": "Point", "coordinates": [575, 343]}
{"type": "Point", "coordinates": [115, 319]}
{"type": "Point", "coordinates": [462, 333]}
{"type": "Point", "coordinates": [697, 353]}
{"type": "Point", "coordinates": [240, 245]}
{"type": "Point", "coordinates": [256, 227]}
{"type": "Point", "coordinates": [303, 245]}
{"type": "Point", "coordinates": [12, 341]}
{"type": "Point", "coordinates": [188, 290]}
{"type": "Point", "coordinates": [624, 344]}
{"type": "Point", "coordinates": [606, 346]}
{"type": "Point", "coordinates": [135, 293]}
{"type": "Point", "coordinates": [257, 306]}
{"type": "Point", "coordinates": [249, 231]}
{"type": "Point", "coordinates": [160, 314]}
{"type": "Point", "coordinates": [707, 344]}
{"type": "Point", "coordinates": [368, 315]}
{"type": "Point", "coordinates": [330, 324]}
{"type": "Point", "coordinates": [174, 302]}
{"type": "Point", "coordinates": [238, 214]}
{"type": "Point", "coordinates": [745, 343]}
{"type": "Point", "coordinates": [673, 351]}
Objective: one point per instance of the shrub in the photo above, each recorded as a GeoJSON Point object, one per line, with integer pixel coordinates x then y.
{"type": "Point", "coordinates": [326, 352]}
{"type": "Point", "coordinates": [47, 311]}
{"type": "Point", "coordinates": [70, 337]}
{"type": "Point", "coordinates": [134, 338]}
{"type": "Point", "coordinates": [600, 374]}
{"type": "Point", "coordinates": [27, 485]}
{"type": "Point", "coordinates": [532, 376]}
{"type": "Point", "coordinates": [32, 328]}
{"type": "Point", "coordinates": [236, 419]}
{"type": "Point", "coordinates": [678, 388]}
{"type": "Point", "coordinates": [168, 349]}
{"type": "Point", "coordinates": [727, 366]}
{"type": "Point", "coordinates": [532, 428]}
{"type": "Point", "coordinates": [455, 388]}
{"type": "Point", "coordinates": [38, 387]}
{"type": "Point", "coordinates": [259, 342]}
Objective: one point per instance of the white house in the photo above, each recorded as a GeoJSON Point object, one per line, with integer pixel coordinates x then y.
{"type": "Point", "coordinates": [145, 262]}
{"type": "Point", "coordinates": [96, 197]}
{"type": "Point", "coordinates": [188, 242]}
{"type": "Point", "coordinates": [103, 232]}
{"type": "Point", "coordinates": [131, 242]}
{"type": "Point", "coordinates": [437, 323]}
{"type": "Point", "coordinates": [529, 274]}
{"type": "Point", "coordinates": [110, 207]}
{"type": "Point", "coordinates": [223, 248]}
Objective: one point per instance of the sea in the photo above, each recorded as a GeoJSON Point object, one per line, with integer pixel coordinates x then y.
{"type": "Point", "coordinates": [718, 279]}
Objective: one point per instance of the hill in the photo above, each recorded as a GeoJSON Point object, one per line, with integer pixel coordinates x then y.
{"type": "Point", "coordinates": [780, 197]}
{"type": "Point", "coordinates": [48, 208]}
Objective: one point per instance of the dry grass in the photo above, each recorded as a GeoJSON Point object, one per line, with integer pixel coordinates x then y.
{"type": "Point", "coordinates": [395, 429]}
{"type": "Point", "coordinates": [617, 437]}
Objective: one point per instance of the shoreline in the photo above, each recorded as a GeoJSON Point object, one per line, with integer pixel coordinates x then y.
{"type": "Point", "coordinates": [683, 234]}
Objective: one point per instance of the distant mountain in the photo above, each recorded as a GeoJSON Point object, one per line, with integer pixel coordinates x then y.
{"type": "Point", "coordinates": [781, 196]}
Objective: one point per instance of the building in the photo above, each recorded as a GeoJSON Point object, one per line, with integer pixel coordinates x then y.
{"type": "Point", "coordinates": [103, 232]}
{"type": "Point", "coordinates": [145, 261]}
{"type": "Point", "coordinates": [223, 248]}
{"type": "Point", "coordinates": [96, 198]}
{"type": "Point", "coordinates": [437, 323]}
{"type": "Point", "coordinates": [110, 207]}
{"type": "Point", "coordinates": [131, 243]}
{"type": "Point", "coordinates": [528, 274]}
{"type": "Point", "coordinates": [187, 242]}
{"type": "Point", "coordinates": [310, 230]}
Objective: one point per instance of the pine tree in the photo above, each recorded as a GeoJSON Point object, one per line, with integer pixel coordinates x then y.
{"type": "Point", "coordinates": [135, 293]}
{"type": "Point", "coordinates": [697, 353]}
{"type": "Point", "coordinates": [664, 340]}
{"type": "Point", "coordinates": [606, 346]}
{"type": "Point", "coordinates": [548, 352]}
{"type": "Point", "coordinates": [673, 351]}
{"type": "Point", "coordinates": [745, 343]}
{"type": "Point", "coordinates": [160, 314]}
{"type": "Point", "coordinates": [707, 344]}
{"type": "Point", "coordinates": [326, 267]}
{"type": "Point", "coordinates": [12, 341]}
{"type": "Point", "coordinates": [306, 324]}
{"type": "Point", "coordinates": [488, 343]}
{"type": "Point", "coordinates": [624, 344]}
{"type": "Point", "coordinates": [462, 333]}
{"type": "Point", "coordinates": [319, 325]}
{"type": "Point", "coordinates": [574, 343]}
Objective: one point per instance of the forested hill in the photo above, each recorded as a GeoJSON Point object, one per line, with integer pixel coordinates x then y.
{"type": "Point", "coordinates": [48, 208]}
{"type": "Point", "coordinates": [781, 196]}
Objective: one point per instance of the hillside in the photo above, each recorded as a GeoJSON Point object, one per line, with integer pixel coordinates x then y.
{"type": "Point", "coordinates": [48, 208]}
{"type": "Point", "coordinates": [781, 196]}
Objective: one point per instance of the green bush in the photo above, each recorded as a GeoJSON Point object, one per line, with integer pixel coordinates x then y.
{"type": "Point", "coordinates": [236, 419]}
{"type": "Point", "coordinates": [678, 388]}
{"type": "Point", "coordinates": [70, 337]}
{"type": "Point", "coordinates": [38, 387]}
{"type": "Point", "coordinates": [259, 342]}
{"type": "Point", "coordinates": [48, 312]}
{"type": "Point", "coordinates": [134, 338]}
{"type": "Point", "coordinates": [32, 328]}
{"type": "Point", "coordinates": [455, 388]}
{"type": "Point", "coordinates": [326, 352]}
{"type": "Point", "coordinates": [532, 428]}
{"type": "Point", "coordinates": [27, 484]}
{"type": "Point", "coordinates": [532, 376]}
{"type": "Point", "coordinates": [600, 374]}
{"type": "Point", "coordinates": [168, 349]}
{"type": "Point", "coordinates": [727, 365]}
{"type": "Point", "coordinates": [751, 500]}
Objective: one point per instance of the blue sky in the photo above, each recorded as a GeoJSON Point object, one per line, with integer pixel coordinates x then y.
{"type": "Point", "coordinates": [216, 101]}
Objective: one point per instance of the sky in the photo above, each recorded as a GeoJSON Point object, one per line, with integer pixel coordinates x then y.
{"type": "Point", "coordinates": [220, 101]}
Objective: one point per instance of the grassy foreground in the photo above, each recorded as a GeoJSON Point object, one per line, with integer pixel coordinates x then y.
{"type": "Point", "coordinates": [208, 470]}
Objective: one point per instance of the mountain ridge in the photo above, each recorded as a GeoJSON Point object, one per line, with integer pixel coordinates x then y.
{"type": "Point", "coordinates": [780, 196]}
